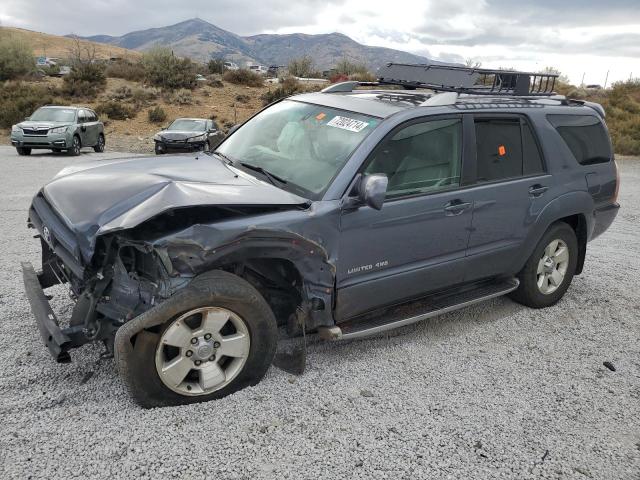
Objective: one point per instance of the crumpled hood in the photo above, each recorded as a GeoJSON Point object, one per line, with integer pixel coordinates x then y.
{"type": "Point", "coordinates": [95, 198]}
{"type": "Point", "coordinates": [179, 135]}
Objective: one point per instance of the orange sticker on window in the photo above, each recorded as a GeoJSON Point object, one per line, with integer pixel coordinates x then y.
{"type": "Point", "coordinates": [502, 151]}
{"type": "Point", "coordinates": [320, 116]}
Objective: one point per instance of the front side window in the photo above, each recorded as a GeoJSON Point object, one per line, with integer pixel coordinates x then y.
{"type": "Point", "coordinates": [420, 158]}
{"type": "Point", "coordinates": [585, 136]}
{"type": "Point", "coordinates": [303, 144]}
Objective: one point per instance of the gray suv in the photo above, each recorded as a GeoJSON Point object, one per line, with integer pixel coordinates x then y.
{"type": "Point", "coordinates": [340, 214]}
{"type": "Point", "coordinates": [59, 128]}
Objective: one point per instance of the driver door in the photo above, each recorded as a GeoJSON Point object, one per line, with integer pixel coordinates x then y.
{"type": "Point", "coordinates": [417, 242]}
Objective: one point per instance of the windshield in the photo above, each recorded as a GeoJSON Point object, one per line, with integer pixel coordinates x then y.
{"type": "Point", "coordinates": [185, 125]}
{"type": "Point", "coordinates": [303, 144]}
{"type": "Point", "coordinates": [54, 115]}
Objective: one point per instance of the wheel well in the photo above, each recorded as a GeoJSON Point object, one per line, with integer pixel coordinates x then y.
{"type": "Point", "coordinates": [278, 281]}
{"type": "Point", "coordinates": [579, 224]}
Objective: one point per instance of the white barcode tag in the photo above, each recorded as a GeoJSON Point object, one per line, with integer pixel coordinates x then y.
{"type": "Point", "coordinates": [347, 123]}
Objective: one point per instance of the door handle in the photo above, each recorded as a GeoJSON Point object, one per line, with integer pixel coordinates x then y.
{"type": "Point", "coordinates": [537, 190]}
{"type": "Point", "coordinates": [455, 207]}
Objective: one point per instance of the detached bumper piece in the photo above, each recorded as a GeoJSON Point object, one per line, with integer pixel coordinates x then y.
{"type": "Point", "coordinates": [58, 341]}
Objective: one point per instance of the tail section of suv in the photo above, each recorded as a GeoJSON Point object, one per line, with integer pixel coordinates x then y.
{"type": "Point", "coordinates": [59, 129]}
{"type": "Point", "coordinates": [341, 213]}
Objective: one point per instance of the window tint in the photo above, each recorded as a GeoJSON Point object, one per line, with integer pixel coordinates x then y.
{"type": "Point", "coordinates": [91, 116]}
{"type": "Point", "coordinates": [532, 157]}
{"type": "Point", "coordinates": [585, 136]}
{"type": "Point", "coordinates": [82, 116]}
{"type": "Point", "coordinates": [499, 149]}
{"type": "Point", "coordinates": [420, 158]}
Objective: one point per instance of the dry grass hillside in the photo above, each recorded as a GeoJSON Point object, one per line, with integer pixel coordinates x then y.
{"type": "Point", "coordinates": [45, 45]}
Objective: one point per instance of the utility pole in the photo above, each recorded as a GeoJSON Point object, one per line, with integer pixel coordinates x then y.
{"type": "Point", "coordinates": [606, 79]}
{"type": "Point", "coordinates": [582, 82]}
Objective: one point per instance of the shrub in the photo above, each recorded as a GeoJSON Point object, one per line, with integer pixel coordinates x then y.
{"type": "Point", "coordinates": [16, 58]}
{"type": "Point", "coordinates": [338, 77]}
{"type": "Point", "coordinates": [216, 65]}
{"type": "Point", "coordinates": [287, 87]}
{"type": "Point", "coordinates": [363, 77]}
{"type": "Point", "coordinates": [126, 70]}
{"type": "Point", "coordinates": [115, 110]}
{"type": "Point", "coordinates": [87, 76]}
{"type": "Point", "coordinates": [19, 100]}
{"type": "Point", "coordinates": [163, 69]}
{"type": "Point", "coordinates": [157, 115]}
{"type": "Point", "coordinates": [243, 76]}
{"type": "Point", "coordinates": [181, 97]}
{"type": "Point", "coordinates": [215, 83]}
{"type": "Point", "coordinates": [347, 67]}
{"type": "Point", "coordinates": [242, 98]}
{"type": "Point", "coordinates": [302, 67]}
{"type": "Point", "coordinates": [143, 95]}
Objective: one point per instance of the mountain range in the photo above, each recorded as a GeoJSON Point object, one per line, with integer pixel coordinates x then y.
{"type": "Point", "coordinates": [202, 41]}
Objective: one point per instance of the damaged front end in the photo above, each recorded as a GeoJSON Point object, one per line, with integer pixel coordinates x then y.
{"type": "Point", "coordinates": [131, 271]}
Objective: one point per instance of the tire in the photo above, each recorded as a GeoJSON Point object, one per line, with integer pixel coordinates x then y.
{"type": "Point", "coordinates": [74, 150]}
{"type": "Point", "coordinates": [221, 293]}
{"type": "Point", "coordinates": [99, 147]}
{"type": "Point", "coordinates": [159, 150]}
{"type": "Point", "coordinates": [539, 286]}
{"type": "Point", "coordinates": [22, 151]}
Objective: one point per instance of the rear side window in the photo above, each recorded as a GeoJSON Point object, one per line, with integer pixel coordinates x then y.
{"type": "Point", "coordinates": [506, 148]}
{"type": "Point", "coordinates": [499, 149]}
{"type": "Point", "coordinates": [585, 136]}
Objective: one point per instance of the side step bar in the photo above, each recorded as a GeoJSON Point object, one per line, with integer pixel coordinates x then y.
{"type": "Point", "coordinates": [427, 307]}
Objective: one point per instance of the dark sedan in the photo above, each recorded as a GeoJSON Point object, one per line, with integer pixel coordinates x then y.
{"type": "Point", "coordinates": [187, 135]}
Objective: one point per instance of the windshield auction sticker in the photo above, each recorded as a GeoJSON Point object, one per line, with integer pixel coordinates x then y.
{"type": "Point", "coordinates": [347, 123]}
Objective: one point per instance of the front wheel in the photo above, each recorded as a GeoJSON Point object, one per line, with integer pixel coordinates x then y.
{"type": "Point", "coordinates": [224, 340]}
{"type": "Point", "coordinates": [74, 150]}
{"type": "Point", "coordinates": [159, 149]}
{"type": "Point", "coordinates": [548, 273]}
{"type": "Point", "coordinates": [99, 147]}
{"type": "Point", "coordinates": [22, 151]}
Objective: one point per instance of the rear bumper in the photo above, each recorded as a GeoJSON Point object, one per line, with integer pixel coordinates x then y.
{"type": "Point", "coordinates": [603, 218]}
{"type": "Point", "coordinates": [54, 338]}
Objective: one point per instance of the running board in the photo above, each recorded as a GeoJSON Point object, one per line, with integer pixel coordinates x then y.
{"type": "Point", "coordinates": [427, 307]}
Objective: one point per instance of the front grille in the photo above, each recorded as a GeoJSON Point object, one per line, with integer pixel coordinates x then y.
{"type": "Point", "coordinates": [39, 132]}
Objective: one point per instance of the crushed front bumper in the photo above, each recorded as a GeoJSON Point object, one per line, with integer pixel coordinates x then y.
{"type": "Point", "coordinates": [58, 341]}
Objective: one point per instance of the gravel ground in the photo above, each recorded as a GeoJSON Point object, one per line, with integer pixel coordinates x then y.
{"type": "Point", "coordinates": [492, 391]}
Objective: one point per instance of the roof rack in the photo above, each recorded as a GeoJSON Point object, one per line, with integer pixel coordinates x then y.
{"type": "Point", "coordinates": [477, 81]}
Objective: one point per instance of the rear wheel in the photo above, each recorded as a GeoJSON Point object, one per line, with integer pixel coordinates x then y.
{"type": "Point", "coordinates": [22, 151]}
{"type": "Point", "coordinates": [74, 149]}
{"type": "Point", "coordinates": [223, 341]}
{"type": "Point", "coordinates": [99, 147]}
{"type": "Point", "coordinates": [548, 273]}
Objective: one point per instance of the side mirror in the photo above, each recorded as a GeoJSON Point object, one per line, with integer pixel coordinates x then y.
{"type": "Point", "coordinates": [26, 119]}
{"type": "Point", "coordinates": [370, 190]}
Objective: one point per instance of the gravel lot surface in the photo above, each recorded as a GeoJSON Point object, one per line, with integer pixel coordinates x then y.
{"type": "Point", "coordinates": [492, 391]}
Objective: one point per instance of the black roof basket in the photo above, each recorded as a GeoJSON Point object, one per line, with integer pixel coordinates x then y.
{"type": "Point", "coordinates": [477, 81]}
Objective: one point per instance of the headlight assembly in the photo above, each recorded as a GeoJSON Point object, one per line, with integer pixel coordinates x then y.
{"type": "Point", "coordinates": [199, 138]}
{"type": "Point", "coordinates": [58, 130]}
{"type": "Point", "coordinates": [15, 128]}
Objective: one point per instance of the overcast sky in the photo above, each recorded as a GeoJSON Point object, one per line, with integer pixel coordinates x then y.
{"type": "Point", "coordinates": [575, 36]}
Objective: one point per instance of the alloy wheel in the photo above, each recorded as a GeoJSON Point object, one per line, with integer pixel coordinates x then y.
{"type": "Point", "coordinates": [552, 266]}
{"type": "Point", "coordinates": [202, 351]}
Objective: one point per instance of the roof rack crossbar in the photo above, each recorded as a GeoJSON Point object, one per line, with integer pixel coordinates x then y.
{"type": "Point", "coordinates": [470, 80]}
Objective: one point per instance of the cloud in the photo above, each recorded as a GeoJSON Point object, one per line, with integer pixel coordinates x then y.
{"type": "Point", "coordinates": [573, 35]}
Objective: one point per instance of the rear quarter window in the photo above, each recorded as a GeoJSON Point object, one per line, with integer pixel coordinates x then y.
{"type": "Point", "coordinates": [585, 136]}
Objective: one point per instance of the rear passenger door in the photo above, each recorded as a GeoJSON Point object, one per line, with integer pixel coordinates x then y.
{"type": "Point", "coordinates": [84, 132]}
{"type": "Point", "coordinates": [508, 193]}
